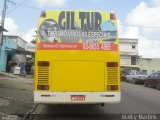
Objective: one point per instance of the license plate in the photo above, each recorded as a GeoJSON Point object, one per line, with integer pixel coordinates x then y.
{"type": "Point", "coordinates": [77, 97]}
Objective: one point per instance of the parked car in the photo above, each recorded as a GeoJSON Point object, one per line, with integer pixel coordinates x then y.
{"type": "Point", "coordinates": [136, 77]}
{"type": "Point", "coordinates": [123, 76]}
{"type": "Point", "coordinates": [153, 80]}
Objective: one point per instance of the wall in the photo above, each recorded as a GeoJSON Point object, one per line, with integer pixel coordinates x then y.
{"type": "Point", "coordinates": [150, 64]}
{"type": "Point", "coordinates": [10, 44]}
{"type": "Point", "coordinates": [3, 59]}
{"type": "Point", "coordinates": [19, 58]}
{"type": "Point", "coordinates": [127, 52]}
{"type": "Point", "coordinates": [7, 48]}
{"type": "Point", "coordinates": [21, 43]}
{"type": "Point", "coordinates": [126, 45]}
{"type": "Point", "coordinates": [125, 61]}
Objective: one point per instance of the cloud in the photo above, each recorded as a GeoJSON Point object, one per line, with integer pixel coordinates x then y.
{"type": "Point", "coordinates": [96, 0]}
{"type": "Point", "coordinates": [120, 28]}
{"type": "Point", "coordinates": [156, 3]}
{"type": "Point", "coordinates": [149, 48]}
{"type": "Point", "coordinates": [145, 14]}
{"type": "Point", "coordinates": [29, 35]}
{"type": "Point", "coordinates": [131, 32]}
{"type": "Point", "coordinates": [11, 27]}
{"type": "Point", "coordinates": [55, 3]}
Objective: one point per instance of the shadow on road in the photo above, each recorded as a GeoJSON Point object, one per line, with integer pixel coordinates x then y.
{"type": "Point", "coordinates": [74, 112]}
{"type": "Point", "coordinates": [74, 109]}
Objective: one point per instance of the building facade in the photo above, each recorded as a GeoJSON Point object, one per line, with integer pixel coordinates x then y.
{"type": "Point", "coordinates": [12, 47]}
{"type": "Point", "coordinates": [129, 56]}
{"type": "Point", "coordinates": [149, 65]}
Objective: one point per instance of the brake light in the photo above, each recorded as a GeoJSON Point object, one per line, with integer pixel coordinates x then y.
{"type": "Point", "coordinates": [42, 87]}
{"type": "Point", "coordinates": [112, 64]}
{"type": "Point", "coordinates": [43, 14]}
{"type": "Point", "coordinates": [112, 16]}
{"type": "Point", "coordinates": [43, 63]}
{"type": "Point", "coordinates": [112, 87]}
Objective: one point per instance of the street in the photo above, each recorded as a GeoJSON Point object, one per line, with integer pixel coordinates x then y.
{"type": "Point", "coordinates": [17, 99]}
{"type": "Point", "coordinates": [16, 96]}
{"type": "Point", "coordinates": [136, 99]}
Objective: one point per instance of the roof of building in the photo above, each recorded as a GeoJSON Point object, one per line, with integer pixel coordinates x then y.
{"type": "Point", "coordinates": [150, 58]}
{"type": "Point", "coordinates": [15, 36]}
{"type": "Point", "coordinates": [128, 40]}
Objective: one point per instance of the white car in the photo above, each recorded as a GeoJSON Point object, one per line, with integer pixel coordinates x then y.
{"type": "Point", "coordinates": [136, 77]}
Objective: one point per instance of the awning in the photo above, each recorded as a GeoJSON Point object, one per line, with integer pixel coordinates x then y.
{"type": "Point", "coordinates": [130, 66]}
{"type": "Point", "coordinates": [24, 52]}
{"type": "Point", "coordinates": [2, 29]}
{"type": "Point", "coordinates": [20, 51]}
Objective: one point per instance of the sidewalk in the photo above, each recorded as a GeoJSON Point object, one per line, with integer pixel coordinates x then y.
{"type": "Point", "coordinates": [10, 75]}
{"type": "Point", "coordinates": [16, 96]}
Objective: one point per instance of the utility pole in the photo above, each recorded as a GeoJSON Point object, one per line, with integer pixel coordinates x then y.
{"type": "Point", "coordinates": [2, 22]}
{"type": "Point", "coordinates": [2, 25]}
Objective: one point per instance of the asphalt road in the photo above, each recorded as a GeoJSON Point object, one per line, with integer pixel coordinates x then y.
{"type": "Point", "coordinates": [16, 97]}
{"type": "Point", "coordinates": [136, 99]}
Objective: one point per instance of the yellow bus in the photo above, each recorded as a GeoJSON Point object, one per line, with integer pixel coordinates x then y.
{"type": "Point", "coordinates": [77, 58]}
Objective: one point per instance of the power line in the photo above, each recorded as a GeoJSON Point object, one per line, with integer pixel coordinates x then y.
{"type": "Point", "coordinates": [139, 26]}
{"type": "Point", "coordinates": [22, 4]}
{"type": "Point", "coordinates": [2, 21]}
{"type": "Point", "coordinates": [2, 25]}
{"type": "Point", "coordinates": [16, 6]}
{"type": "Point", "coordinates": [32, 7]}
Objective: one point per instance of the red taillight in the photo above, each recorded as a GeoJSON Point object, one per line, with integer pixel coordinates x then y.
{"type": "Point", "coordinates": [112, 64]}
{"type": "Point", "coordinates": [43, 14]}
{"type": "Point", "coordinates": [112, 16]}
{"type": "Point", "coordinates": [42, 87]}
{"type": "Point", "coordinates": [112, 87]}
{"type": "Point", "coordinates": [43, 63]}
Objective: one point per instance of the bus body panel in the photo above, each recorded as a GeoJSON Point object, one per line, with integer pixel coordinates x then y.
{"type": "Point", "coordinates": [65, 97]}
{"type": "Point", "coordinates": [74, 76]}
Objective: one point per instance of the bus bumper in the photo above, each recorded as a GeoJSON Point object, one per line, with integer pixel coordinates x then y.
{"type": "Point", "coordinates": [76, 97]}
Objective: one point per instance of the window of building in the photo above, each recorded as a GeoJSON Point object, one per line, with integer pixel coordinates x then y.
{"type": "Point", "coordinates": [133, 60]}
{"type": "Point", "coordinates": [144, 72]}
{"type": "Point", "coordinates": [133, 46]}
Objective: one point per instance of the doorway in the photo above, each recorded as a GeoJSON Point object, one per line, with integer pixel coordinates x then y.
{"type": "Point", "coordinates": [9, 63]}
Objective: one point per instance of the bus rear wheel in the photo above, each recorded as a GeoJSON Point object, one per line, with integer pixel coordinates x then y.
{"type": "Point", "coordinates": [102, 104]}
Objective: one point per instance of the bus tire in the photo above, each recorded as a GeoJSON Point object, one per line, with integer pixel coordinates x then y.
{"type": "Point", "coordinates": [102, 104]}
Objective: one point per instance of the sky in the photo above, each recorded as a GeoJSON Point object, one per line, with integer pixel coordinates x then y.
{"type": "Point", "coordinates": [137, 19]}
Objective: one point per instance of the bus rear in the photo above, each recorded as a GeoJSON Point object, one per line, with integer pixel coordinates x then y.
{"type": "Point", "coordinates": [77, 58]}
